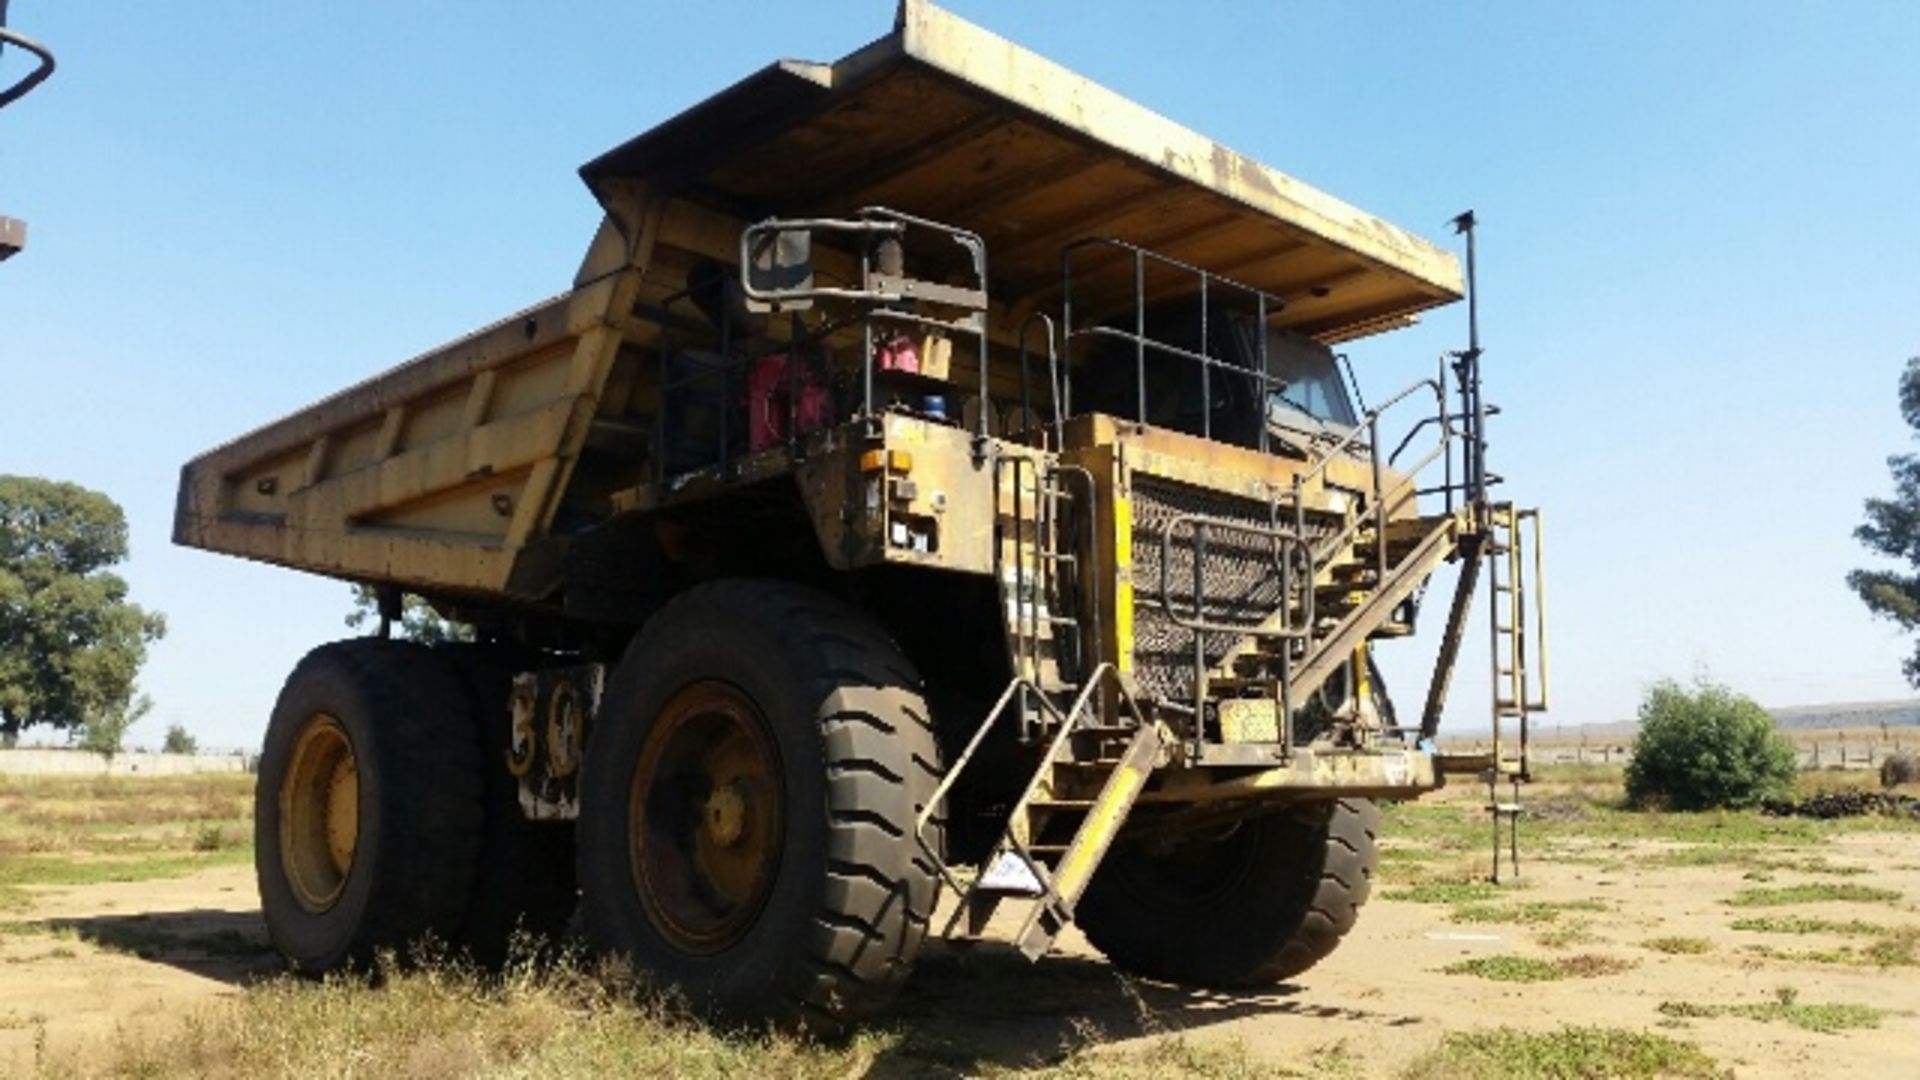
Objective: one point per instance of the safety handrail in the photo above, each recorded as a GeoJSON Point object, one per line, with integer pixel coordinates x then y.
{"type": "Point", "coordinates": [1382, 500]}
{"type": "Point", "coordinates": [1297, 559]}
{"type": "Point", "coordinates": [32, 78]}
{"type": "Point", "coordinates": [935, 805]}
{"type": "Point", "coordinates": [882, 285]}
{"type": "Point", "coordinates": [1053, 541]}
{"type": "Point", "coordinates": [1208, 283]}
{"type": "Point", "coordinates": [1105, 676]}
{"type": "Point", "coordinates": [1284, 541]}
{"type": "Point", "coordinates": [1045, 321]}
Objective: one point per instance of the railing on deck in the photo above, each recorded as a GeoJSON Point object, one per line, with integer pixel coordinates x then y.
{"type": "Point", "coordinates": [1210, 289]}
{"type": "Point", "coordinates": [885, 289]}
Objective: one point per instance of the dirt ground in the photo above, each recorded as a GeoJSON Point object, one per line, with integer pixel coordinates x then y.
{"type": "Point", "coordinates": [132, 956]}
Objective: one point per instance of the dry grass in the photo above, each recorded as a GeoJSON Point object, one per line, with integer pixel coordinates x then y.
{"type": "Point", "coordinates": [1893, 947]}
{"type": "Point", "coordinates": [105, 816]}
{"type": "Point", "coordinates": [63, 830]}
{"type": "Point", "coordinates": [1678, 946]}
{"type": "Point", "coordinates": [1567, 934]}
{"type": "Point", "coordinates": [574, 1021]}
{"type": "Point", "coordinates": [562, 1021]}
{"type": "Point", "coordinates": [439, 1022]}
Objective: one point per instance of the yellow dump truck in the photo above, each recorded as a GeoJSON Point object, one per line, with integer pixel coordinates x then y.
{"type": "Point", "coordinates": [938, 461]}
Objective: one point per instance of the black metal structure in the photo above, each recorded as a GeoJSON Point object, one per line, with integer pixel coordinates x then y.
{"type": "Point", "coordinates": [31, 79]}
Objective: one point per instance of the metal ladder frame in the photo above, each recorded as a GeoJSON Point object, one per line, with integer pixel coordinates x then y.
{"type": "Point", "coordinates": [1517, 695]}
{"type": "Point", "coordinates": [1048, 586]}
{"type": "Point", "coordinates": [1056, 896]}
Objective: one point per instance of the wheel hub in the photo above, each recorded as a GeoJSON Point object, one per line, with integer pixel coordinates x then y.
{"type": "Point", "coordinates": [726, 818]}
{"type": "Point", "coordinates": [705, 818]}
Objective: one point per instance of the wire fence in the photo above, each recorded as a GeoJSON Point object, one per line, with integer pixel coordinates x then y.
{"type": "Point", "coordinates": [1850, 751]}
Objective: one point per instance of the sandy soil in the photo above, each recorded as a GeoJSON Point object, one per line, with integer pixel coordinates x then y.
{"type": "Point", "coordinates": [1381, 1000]}
{"type": "Point", "coordinates": [140, 954]}
{"type": "Point", "coordinates": [125, 955]}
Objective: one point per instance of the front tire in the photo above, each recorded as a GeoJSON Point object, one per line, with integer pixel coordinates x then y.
{"type": "Point", "coordinates": [367, 806]}
{"type": "Point", "coordinates": [748, 803]}
{"type": "Point", "coordinates": [1261, 901]}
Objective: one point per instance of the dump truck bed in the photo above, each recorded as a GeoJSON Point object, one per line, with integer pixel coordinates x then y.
{"type": "Point", "coordinates": [951, 122]}
{"type": "Point", "coordinates": [458, 472]}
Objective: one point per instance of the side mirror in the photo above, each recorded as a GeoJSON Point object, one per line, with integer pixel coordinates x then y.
{"type": "Point", "coordinates": [779, 264]}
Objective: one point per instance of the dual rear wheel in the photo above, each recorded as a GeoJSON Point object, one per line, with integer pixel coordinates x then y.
{"type": "Point", "coordinates": [380, 822]}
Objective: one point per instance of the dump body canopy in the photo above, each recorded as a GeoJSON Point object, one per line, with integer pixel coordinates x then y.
{"type": "Point", "coordinates": [945, 120]}
{"type": "Point", "coordinates": [448, 473]}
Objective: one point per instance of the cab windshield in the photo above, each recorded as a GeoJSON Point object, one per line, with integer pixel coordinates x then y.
{"type": "Point", "coordinates": [1307, 398]}
{"type": "Point", "coordinates": [1309, 381]}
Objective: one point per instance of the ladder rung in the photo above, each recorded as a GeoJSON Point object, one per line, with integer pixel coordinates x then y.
{"type": "Point", "coordinates": [1105, 729]}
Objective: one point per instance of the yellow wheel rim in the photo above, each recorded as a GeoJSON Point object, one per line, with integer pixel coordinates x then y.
{"type": "Point", "coordinates": [319, 813]}
{"type": "Point", "coordinates": [706, 819]}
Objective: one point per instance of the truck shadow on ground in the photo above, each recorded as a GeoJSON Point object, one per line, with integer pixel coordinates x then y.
{"type": "Point", "coordinates": [990, 1007]}
{"type": "Point", "coordinates": [230, 946]}
{"type": "Point", "coordinates": [960, 1013]}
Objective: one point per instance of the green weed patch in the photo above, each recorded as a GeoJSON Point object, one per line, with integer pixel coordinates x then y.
{"type": "Point", "coordinates": [1571, 1053]}
{"type": "Point", "coordinates": [1820, 892]}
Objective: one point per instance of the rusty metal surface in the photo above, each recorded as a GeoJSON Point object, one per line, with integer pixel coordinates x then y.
{"type": "Point", "coordinates": [1403, 773]}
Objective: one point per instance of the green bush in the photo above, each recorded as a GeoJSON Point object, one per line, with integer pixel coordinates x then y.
{"type": "Point", "coordinates": [1899, 769]}
{"type": "Point", "coordinates": [1706, 747]}
{"type": "Point", "coordinates": [179, 742]}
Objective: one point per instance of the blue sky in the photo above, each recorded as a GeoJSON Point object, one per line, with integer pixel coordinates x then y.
{"type": "Point", "coordinates": [1701, 266]}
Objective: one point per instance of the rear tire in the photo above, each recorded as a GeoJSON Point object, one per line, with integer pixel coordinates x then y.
{"type": "Point", "coordinates": [1264, 901]}
{"type": "Point", "coordinates": [748, 801]}
{"type": "Point", "coordinates": [367, 808]}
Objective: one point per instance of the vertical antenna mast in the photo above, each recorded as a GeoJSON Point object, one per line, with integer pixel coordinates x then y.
{"type": "Point", "coordinates": [1467, 368]}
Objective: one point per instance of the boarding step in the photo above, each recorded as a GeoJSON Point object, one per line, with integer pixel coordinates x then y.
{"type": "Point", "coordinates": [1419, 546]}
{"type": "Point", "coordinates": [1508, 811]}
{"type": "Point", "coordinates": [1032, 867]}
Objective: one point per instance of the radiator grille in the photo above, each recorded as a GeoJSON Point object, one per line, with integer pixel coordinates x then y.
{"type": "Point", "coordinates": [1239, 582]}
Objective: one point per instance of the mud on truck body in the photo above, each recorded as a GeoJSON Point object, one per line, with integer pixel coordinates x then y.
{"type": "Point", "coordinates": [938, 461]}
